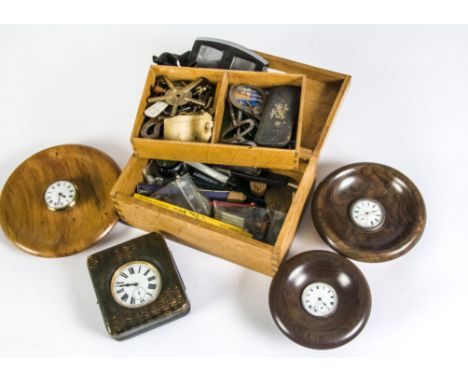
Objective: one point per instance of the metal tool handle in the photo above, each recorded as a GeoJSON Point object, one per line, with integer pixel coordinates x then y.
{"type": "Point", "coordinates": [209, 171]}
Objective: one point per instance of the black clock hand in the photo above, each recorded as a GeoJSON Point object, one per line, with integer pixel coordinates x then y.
{"type": "Point", "coordinates": [126, 285]}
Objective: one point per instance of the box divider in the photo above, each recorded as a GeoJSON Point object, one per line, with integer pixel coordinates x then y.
{"type": "Point", "coordinates": [220, 98]}
{"type": "Point", "coordinates": [300, 113]}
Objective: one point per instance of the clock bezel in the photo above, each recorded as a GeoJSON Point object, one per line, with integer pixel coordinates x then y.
{"type": "Point", "coordinates": [117, 272]}
{"type": "Point", "coordinates": [335, 294]}
{"type": "Point", "coordinates": [68, 206]}
{"type": "Point", "coordinates": [368, 229]}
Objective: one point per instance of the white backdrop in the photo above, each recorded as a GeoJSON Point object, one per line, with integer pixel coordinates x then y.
{"type": "Point", "coordinates": [406, 107]}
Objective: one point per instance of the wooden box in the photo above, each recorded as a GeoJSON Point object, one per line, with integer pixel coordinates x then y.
{"type": "Point", "coordinates": [214, 151]}
{"type": "Point", "coordinates": [324, 91]}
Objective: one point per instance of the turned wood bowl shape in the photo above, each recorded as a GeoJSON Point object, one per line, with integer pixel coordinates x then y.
{"type": "Point", "coordinates": [404, 211]}
{"type": "Point", "coordinates": [27, 221]}
{"type": "Point", "coordinates": [353, 294]}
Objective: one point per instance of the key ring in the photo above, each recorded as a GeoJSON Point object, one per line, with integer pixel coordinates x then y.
{"type": "Point", "coordinates": [177, 95]}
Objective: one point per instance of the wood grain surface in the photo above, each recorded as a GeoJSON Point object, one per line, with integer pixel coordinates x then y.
{"type": "Point", "coordinates": [405, 214]}
{"type": "Point", "coordinates": [353, 295]}
{"type": "Point", "coordinates": [324, 93]}
{"type": "Point", "coordinates": [214, 151]}
{"type": "Point", "coordinates": [29, 224]}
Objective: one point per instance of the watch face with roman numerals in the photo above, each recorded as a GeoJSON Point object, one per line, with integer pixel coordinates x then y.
{"type": "Point", "coordinates": [136, 284]}
{"type": "Point", "coordinates": [367, 214]}
{"type": "Point", "coordinates": [60, 195]}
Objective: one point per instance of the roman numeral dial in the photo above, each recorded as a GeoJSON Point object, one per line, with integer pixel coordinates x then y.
{"type": "Point", "coordinates": [367, 214]}
{"type": "Point", "coordinates": [136, 284]}
{"type": "Point", "coordinates": [60, 195]}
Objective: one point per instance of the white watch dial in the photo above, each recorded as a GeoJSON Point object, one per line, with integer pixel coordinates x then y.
{"type": "Point", "coordinates": [60, 195]}
{"type": "Point", "coordinates": [319, 299]}
{"type": "Point", "coordinates": [136, 284]}
{"type": "Point", "coordinates": [367, 213]}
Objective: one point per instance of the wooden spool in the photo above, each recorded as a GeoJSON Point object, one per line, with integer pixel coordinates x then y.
{"type": "Point", "coordinates": [27, 221]}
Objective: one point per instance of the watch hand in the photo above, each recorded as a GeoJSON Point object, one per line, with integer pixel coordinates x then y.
{"type": "Point", "coordinates": [319, 304]}
{"type": "Point", "coordinates": [126, 285]}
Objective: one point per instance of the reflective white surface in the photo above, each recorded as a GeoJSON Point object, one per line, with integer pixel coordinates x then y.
{"type": "Point", "coordinates": [367, 213]}
{"type": "Point", "coordinates": [60, 195]}
{"type": "Point", "coordinates": [406, 107]}
{"type": "Point", "coordinates": [136, 284]}
{"type": "Point", "coordinates": [319, 299]}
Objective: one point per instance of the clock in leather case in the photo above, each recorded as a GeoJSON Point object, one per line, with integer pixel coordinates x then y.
{"type": "Point", "coordinates": [138, 286]}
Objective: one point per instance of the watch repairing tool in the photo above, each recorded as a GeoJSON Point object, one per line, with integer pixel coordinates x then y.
{"type": "Point", "coordinates": [224, 196]}
{"type": "Point", "coordinates": [256, 175]}
{"type": "Point", "coordinates": [253, 219]}
{"type": "Point", "coordinates": [156, 109]}
{"type": "Point", "coordinates": [58, 202]}
{"type": "Point", "coordinates": [196, 93]}
{"type": "Point", "coordinates": [215, 53]}
{"type": "Point", "coordinates": [279, 117]}
{"type": "Point", "coordinates": [158, 173]}
{"type": "Point", "coordinates": [151, 129]}
{"type": "Point", "coordinates": [253, 171]}
{"type": "Point", "coordinates": [171, 169]}
{"type": "Point", "coordinates": [320, 299]}
{"type": "Point", "coordinates": [212, 173]}
{"type": "Point", "coordinates": [151, 174]}
{"type": "Point", "coordinates": [138, 286]}
{"type": "Point", "coordinates": [258, 188]}
{"type": "Point", "coordinates": [248, 100]}
{"type": "Point", "coordinates": [369, 212]}
{"type": "Point", "coordinates": [197, 127]}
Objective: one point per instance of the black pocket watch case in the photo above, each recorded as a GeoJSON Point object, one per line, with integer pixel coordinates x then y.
{"type": "Point", "coordinates": [138, 286]}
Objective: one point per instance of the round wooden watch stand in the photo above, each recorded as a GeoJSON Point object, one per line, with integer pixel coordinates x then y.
{"type": "Point", "coordinates": [401, 212]}
{"type": "Point", "coordinates": [32, 226]}
{"type": "Point", "coordinates": [353, 299]}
